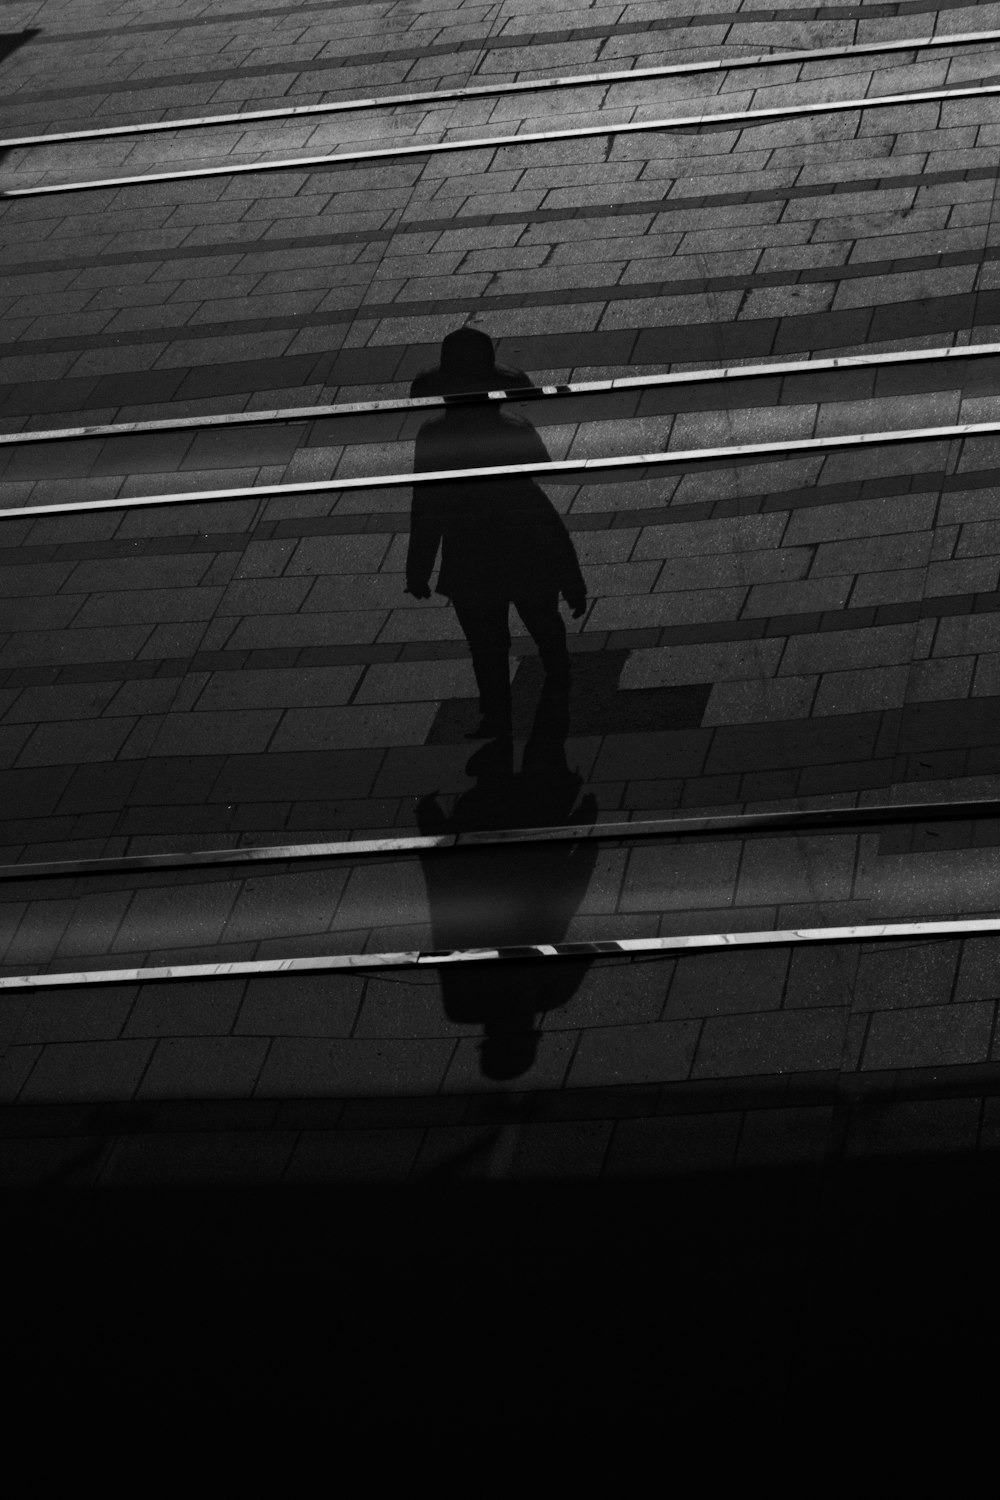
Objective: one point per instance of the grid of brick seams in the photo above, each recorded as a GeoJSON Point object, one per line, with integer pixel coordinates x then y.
{"type": "Point", "coordinates": [805, 631]}
{"type": "Point", "coordinates": [698, 1064]}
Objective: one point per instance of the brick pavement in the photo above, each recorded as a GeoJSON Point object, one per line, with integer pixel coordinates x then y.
{"type": "Point", "coordinates": [802, 631]}
{"type": "Point", "coordinates": [700, 1062]}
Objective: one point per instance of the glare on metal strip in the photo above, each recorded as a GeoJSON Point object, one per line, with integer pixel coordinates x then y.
{"type": "Point", "coordinates": [432, 148]}
{"type": "Point", "coordinates": [696, 942]}
{"type": "Point", "coordinates": [842, 819]}
{"type": "Point", "coordinates": [559, 466]}
{"type": "Point", "coordinates": [519, 393]}
{"type": "Point", "coordinates": [526, 86]}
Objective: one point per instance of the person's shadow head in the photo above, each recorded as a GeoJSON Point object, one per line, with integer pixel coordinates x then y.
{"type": "Point", "coordinates": [467, 365]}
{"type": "Point", "coordinates": [468, 360]}
{"type": "Point", "coordinates": [509, 895]}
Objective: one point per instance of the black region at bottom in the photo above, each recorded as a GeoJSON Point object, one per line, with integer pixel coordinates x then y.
{"type": "Point", "coordinates": [486, 1314]}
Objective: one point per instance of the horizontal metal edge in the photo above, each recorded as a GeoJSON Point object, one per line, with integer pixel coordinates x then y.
{"type": "Point", "coordinates": [696, 942]}
{"type": "Point", "coordinates": [500, 471]}
{"type": "Point", "coordinates": [537, 85]}
{"type": "Point", "coordinates": [515, 394]}
{"type": "Point", "coordinates": [844, 818]}
{"type": "Point", "coordinates": [433, 148]}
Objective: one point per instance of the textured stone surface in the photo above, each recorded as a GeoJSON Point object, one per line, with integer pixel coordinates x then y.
{"type": "Point", "coordinates": [795, 630]}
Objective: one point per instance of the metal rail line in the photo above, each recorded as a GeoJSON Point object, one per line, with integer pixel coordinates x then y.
{"type": "Point", "coordinates": [525, 86]}
{"type": "Point", "coordinates": [328, 963]}
{"type": "Point", "coordinates": [739, 824]}
{"type": "Point", "coordinates": [499, 471]}
{"type": "Point", "coordinates": [519, 393]}
{"type": "Point", "coordinates": [744, 117]}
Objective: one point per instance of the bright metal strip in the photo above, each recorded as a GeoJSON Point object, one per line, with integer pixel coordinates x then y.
{"type": "Point", "coordinates": [326, 963]}
{"type": "Point", "coordinates": [839, 818]}
{"type": "Point", "coordinates": [519, 393]}
{"type": "Point", "coordinates": [501, 471]}
{"type": "Point", "coordinates": [497, 142]}
{"type": "Point", "coordinates": [435, 96]}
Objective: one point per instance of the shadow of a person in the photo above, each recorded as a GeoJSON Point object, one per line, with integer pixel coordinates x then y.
{"type": "Point", "coordinates": [513, 894]}
{"type": "Point", "coordinates": [467, 365]}
{"type": "Point", "coordinates": [10, 41]}
{"type": "Point", "coordinates": [502, 542]}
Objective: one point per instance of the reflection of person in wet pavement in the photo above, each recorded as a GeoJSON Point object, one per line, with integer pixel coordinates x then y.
{"type": "Point", "coordinates": [509, 894]}
{"type": "Point", "coordinates": [501, 540]}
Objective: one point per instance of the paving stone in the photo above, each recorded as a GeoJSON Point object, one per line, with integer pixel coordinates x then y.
{"type": "Point", "coordinates": [613, 993]}
{"type": "Point", "coordinates": [404, 1007]}
{"type": "Point", "coordinates": [977, 974]}
{"type": "Point", "coordinates": [156, 917]}
{"type": "Point", "coordinates": [74, 700]}
{"type": "Point", "coordinates": [290, 687]}
{"type": "Point", "coordinates": [680, 877]}
{"type": "Point", "coordinates": [898, 587]}
{"type": "Point", "coordinates": [904, 550]}
{"type": "Point", "coordinates": [97, 1014]}
{"type": "Point", "coordinates": [761, 701]}
{"type": "Point", "coordinates": [822, 976]}
{"type": "Point", "coordinates": [262, 778]}
{"type": "Point", "coordinates": [73, 742]}
{"type": "Point", "coordinates": [769, 747]}
{"type": "Point", "coordinates": [353, 627]}
{"type": "Point", "coordinates": [416, 681]}
{"type": "Point", "coordinates": [906, 976]}
{"type": "Point", "coordinates": [283, 905]}
{"type": "Point", "coordinates": [805, 595]}
{"type": "Point", "coordinates": [338, 554]}
{"type": "Point", "coordinates": [309, 1068]}
{"type": "Point", "coordinates": [150, 606]}
{"type": "Point", "coordinates": [650, 755]}
{"type": "Point", "coordinates": [648, 1053]}
{"type": "Point", "coordinates": [938, 679]}
{"type": "Point", "coordinates": [861, 691]}
{"type": "Point", "coordinates": [782, 1041]}
{"type": "Point", "coordinates": [45, 648]}
{"type": "Point", "coordinates": [95, 919]}
{"type": "Point", "coordinates": [646, 611]}
{"type": "Point", "coordinates": [203, 1067]}
{"type": "Point", "coordinates": [100, 1071]}
{"type": "Point", "coordinates": [185, 1010]}
{"type": "Point", "coordinates": [863, 518]}
{"type": "Point", "coordinates": [801, 869]}
{"type": "Point", "coordinates": [349, 728]}
{"type": "Point", "coordinates": [713, 983]}
{"type": "Point", "coordinates": [712, 662]}
{"type": "Point", "coordinates": [211, 733]}
{"type": "Point", "coordinates": [932, 1036]}
{"type": "Point", "coordinates": [16, 1065]}
{"type": "Point", "coordinates": [173, 640]}
{"type": "Point", "coordinates": [885, 645]}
